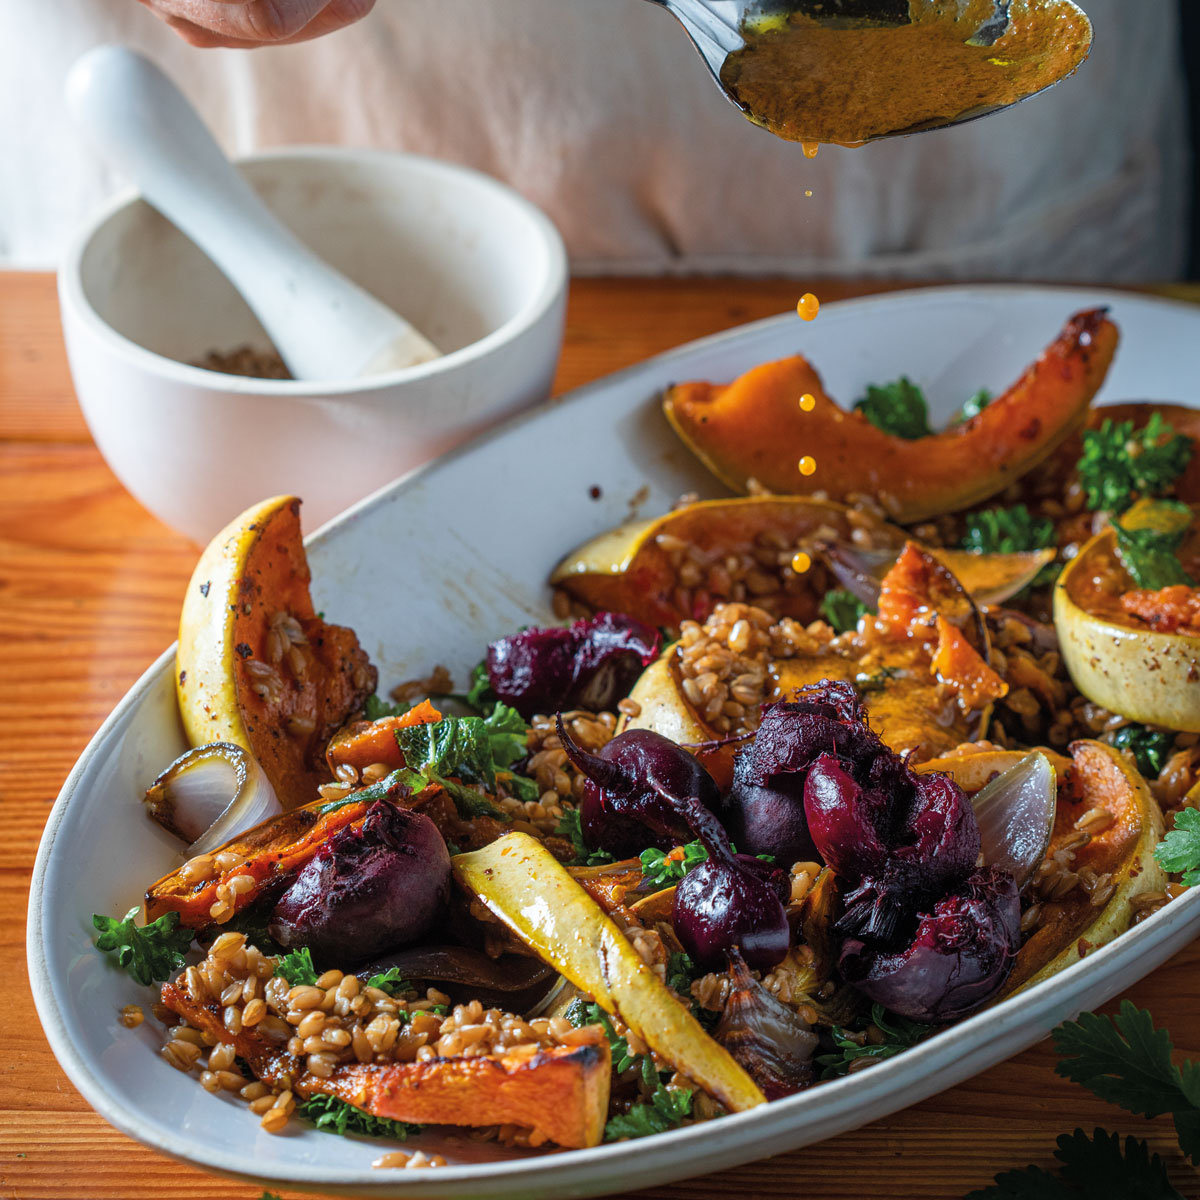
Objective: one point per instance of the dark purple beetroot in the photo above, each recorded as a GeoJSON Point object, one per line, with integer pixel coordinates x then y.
{"type": "Point", "coordinates": [730, 901]}
{"type": "Point", "coordinates": [960, 956]}
{"type": "Point", "coordinates": [721, 905]}
{"type": "Point", "coordinates": [638, 787]}
{"type": "Point", "coordinates": [764, 811]}
{"type": "Point", "coordinates": [591, 665]}
{"type": "Point", "coordinates": [367, 890]}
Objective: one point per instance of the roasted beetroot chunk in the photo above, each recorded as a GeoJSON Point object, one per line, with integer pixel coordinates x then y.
{"type": "Point", "coordinates": [962, 952]}
{"type": "Point", "coordinates": [591, 664]}
{"type": "Point", "coordinates": [643, 779]}
{"type": "Point", "coordinates": [925, 933]}
{"type": "Point", "coordinates": [367, 890]}
{"type": "Point", "coordinates": [764, 811]}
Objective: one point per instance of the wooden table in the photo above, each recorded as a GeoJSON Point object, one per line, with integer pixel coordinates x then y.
{"type": "Point", "coordinates": [90, 588]}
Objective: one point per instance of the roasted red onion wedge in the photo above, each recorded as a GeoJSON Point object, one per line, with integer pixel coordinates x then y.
{"type": "Point", "coordinates": [1016, 816]}
{"type": "Point", "coordinates": [768, 1039]}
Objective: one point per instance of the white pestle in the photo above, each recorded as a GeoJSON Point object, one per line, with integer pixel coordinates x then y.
{"type": "Point", "coordinates": [324, 325]}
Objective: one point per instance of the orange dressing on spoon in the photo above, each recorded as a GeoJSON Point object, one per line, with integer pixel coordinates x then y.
{"type": "Point", "coordinates": [846, 81]}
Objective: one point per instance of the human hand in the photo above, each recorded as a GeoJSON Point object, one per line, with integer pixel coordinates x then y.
{"type": "Point", "coordinates": [247, 24]}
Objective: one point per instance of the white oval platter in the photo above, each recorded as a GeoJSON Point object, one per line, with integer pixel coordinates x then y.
{"type": "Point", "coordinates": [456, 554]}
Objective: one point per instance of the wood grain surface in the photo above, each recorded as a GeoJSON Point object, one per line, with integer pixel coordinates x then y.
{"type": "Point", "coordinates": [90, 587]}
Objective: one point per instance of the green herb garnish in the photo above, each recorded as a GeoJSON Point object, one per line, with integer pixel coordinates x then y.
{"type": "Point", "coordinates": [842, 610]}
{"type": "Point", "coordinates": [376, 708]}
{"type": "Point", "coordinates": [662, 868]}
{"type": "Point", "coordinates": [1118, 465]}
{"type": "Point", "coordinates": [666, 1109]}
{"type": "Point", "coordinates": [1180, 849]}
{"type": "Point", "coordinates": [390, 981]}
{"type": "Point", "coordinates": [897, 408]}
{"type": "Point", "coordinates": [466, 749]}
{"type": "Point", "coordinates": [150, 953]}
{"type": "Point", "coordinates": [1095, 1168]}
{"type": "Point", "coordinates": [331, 1115]}
{"type": "Point", "coordinates": [1149, 747]}
{"type": "Point", "coordinates": [582, 1012]}
{"type": "Point", "coordinates": [681, 971]}
{"type": "Point", "coordinates": [899, 1034]}
{"type": "Point", "coordinates": [1148, 545]}
{"type": "Point", "coordinates": [568, 827]}
{"type": "Point", "coordinates": [1013, 530]}
{"type": "Point", "coordinates": [480, 695]}
{"type": "Point", "coordinates": [297, 967]}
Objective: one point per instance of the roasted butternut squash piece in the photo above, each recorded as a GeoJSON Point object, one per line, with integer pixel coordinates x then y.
{"type": "Point", "coordinates": [256, 666]}
{"type": "Point", "coordinates": [560, 1093]}
{"type": "Point", "coordinates": [754, 428]}
{"type": "Point", "coordinates": [366, 742]}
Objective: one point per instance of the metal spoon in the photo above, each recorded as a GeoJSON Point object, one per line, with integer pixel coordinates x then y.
{"type": "Point", "coordinates": [717, 29]}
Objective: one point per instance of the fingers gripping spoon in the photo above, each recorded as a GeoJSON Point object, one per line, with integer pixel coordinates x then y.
{"type": "Point", "coordinates": [324, 326]}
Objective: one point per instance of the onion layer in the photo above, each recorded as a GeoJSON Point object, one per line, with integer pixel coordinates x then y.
{"type": "Point", "coordinates": [211, 794]}
{"type": "Point", "coordinates": [1015, 813]}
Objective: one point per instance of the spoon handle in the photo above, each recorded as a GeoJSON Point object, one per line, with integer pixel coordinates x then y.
{"type": "Point", "coordinates": [324, 325]}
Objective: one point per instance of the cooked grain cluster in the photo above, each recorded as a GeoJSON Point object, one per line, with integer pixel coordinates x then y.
{"type": "Point", "coordinates": [335, 1022]}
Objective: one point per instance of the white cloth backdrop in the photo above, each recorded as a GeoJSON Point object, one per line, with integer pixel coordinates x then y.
{"type": "Point", "coordinates": [600, 112]}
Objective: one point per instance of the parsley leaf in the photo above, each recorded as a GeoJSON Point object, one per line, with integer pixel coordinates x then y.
{"type": "Point", "coordinates": [331, 1115]}
{"type": "Point", "coordinates": [1149, 747]}
{"type": "Point", "coordinates": [568, 827]}
{"type": "Point", "coordinates": [150, 953]}
{"type": "Point", "coordinates": [480, 695]}
{"type": "Point", "coordinates": [1150, 551]}
{"type": "Point", "coordinates": [899, 1034]}
{"type": "Point", "coordinates": [390, 981]}
{"type": "Point", "coordinates": [1119, 465]}
{"type": "Point", "coordinates": [1180, 849]}
{"type": "Point", "coordinates": [582, 1012]}
{"type": "Point", "coordinates": [666, 867]}
{"type": "Point", "coordinates": [1012, 531]}
{"type": "Point", "coordinates": [680, 973]}
{"type": "Point", "coordinates": [1127, 1062]}
{"type": "Point", "coordinates": [842, 610]}
{"type": "Point", "coordinates": [297, 967]}
{"type": "Point", "coordinates": [270, 1196]}
{"type": "Point", "coordinates": [1095, 1167]}
{"type": "Point", "coordinates": [376, 708]}
{"type": "Point", "coordinates": [666, 1109]}
{"type": "Point", "coordinates": [897, 408]}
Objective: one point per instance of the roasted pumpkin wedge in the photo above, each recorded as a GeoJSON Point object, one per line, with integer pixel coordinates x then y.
{"type": "Point", "coordinates": [263, 854]}
{"type": "Point", "coordinates": [754, 428]}
{"type": "Point", "coordinates": [560, 1093]}
{"type": "Point", "coordinates": [635, 568]}
{"type": "Point", "coordinates": [256, 666]}
{"type": "Point", "coordinates": [1115, 659]}
{"type": "Point", "coordinates": [1119, 854]}
{"type": "Point", "coordinates": [534, 895]}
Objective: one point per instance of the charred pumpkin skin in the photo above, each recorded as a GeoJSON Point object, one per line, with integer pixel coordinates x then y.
{"type": "Point", "coordinates": [561, 1092]}
{"type": "Point", "coordinates": [628, 569]}
{"type": "Point", "coordinates": [754, 428]}
{"type": "Point", "coordinates": [253, 569]}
